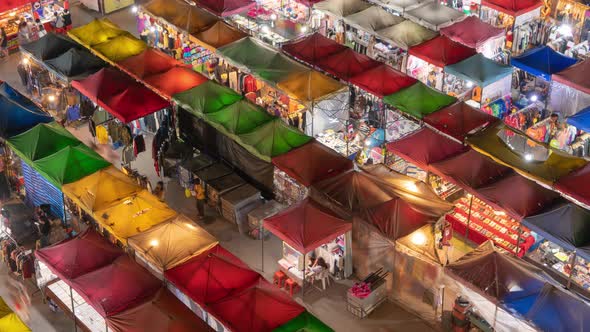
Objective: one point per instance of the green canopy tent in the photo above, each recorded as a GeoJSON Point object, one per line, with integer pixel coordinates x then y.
{"type": "Point", "coordinates": [70, 164]}
{"type": "Point", "coordinates": [272, 139]}
{"type": "Point", "coordinates": [41, 141]}
{"type": "Point", "coordinates": [206, 98]}
{"type": "Point", "coordinates": [305, 322]}
{"type": "Point", "coordinates": [238, 118]}
{"type": "Point", "coordinates": [419, 100]}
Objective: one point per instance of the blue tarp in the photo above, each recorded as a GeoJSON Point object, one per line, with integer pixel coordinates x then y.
{"type": "Point", "coordinates": [17, 113]}
{"type": "Point", "coordinates": [40, 191]}
{"type": "Point", "coordinates": [479, 70]}
{"type": "Point", "coordinates": [581, 120]}
{"type": "Point", "coordinates": [542, 62]}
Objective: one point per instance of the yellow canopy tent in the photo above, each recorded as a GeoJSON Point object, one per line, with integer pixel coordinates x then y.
{"type": "Point", "coordinates": [171, 243]}
{"type": "Point", "coordinates": [96, 32]}
{"type": "Point", "coordinates": [309, 86]}
{"type": "Point", "coordinates": [120, 48]}
{"type": "Point", "coordinates": [9, 321]}
{"type": "Point", "coordinates": [101, 190]}
{"type": "Point", "coordinates": [134, 215]}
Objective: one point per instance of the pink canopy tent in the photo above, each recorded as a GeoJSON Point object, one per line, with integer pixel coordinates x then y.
{"type": "Point", "coordinates": [459, 120]}
{"type": "Point", "coordinates": [225, 8]}
{"type": "Point", "coordinates": [472, 32]}
{"type": "Point", "coordinates": [382, 80]}
{"type": "Point", "coordinates": [347, 64]}
{"type": "Point", "coordinates": [513, 7]}
{"type": "Point", "coordinates": [441, 51]}
{"type": "Point", "coordinates": [575, 76]}
{"type": "Point", "coordinates": [575, 185]}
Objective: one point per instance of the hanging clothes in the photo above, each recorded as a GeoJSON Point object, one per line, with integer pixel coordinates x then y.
{"type": "Point", "coordinates": [73, 112]}
{"type": "Point", "coordinates": [138, 145]}
{"type": "Point", "coordinates": [102, 135]}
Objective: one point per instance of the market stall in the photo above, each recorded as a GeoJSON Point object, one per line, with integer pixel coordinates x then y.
{"type": "Point", "coordinates": [434, 15]}
{"type": "Point", "coordinates": [426, 62]}
{"type": "Point", "coordinates": [479, 35]}
{"type": "Point", "coordinates": [459, 120]}
{"type": "Point", "coordinates": [107, 6]}
{"type": "Point", "coordinates": [313, 48]}
{"type": "Point", "coordinates": [570, 89]}
{"type": "Point", "coordinates": [401, 6]}
{"type": "Point", "coordinates": [223, 8]}
{"type": "Point", "coordinates": [10, 321]}
{"type": "Point", "coordinates": [346, 64]}
{"type": "Point", "coordinates": [310, 232]}
{"type": "Point", "coordinates": [418, 100]}
{"type": "Point", "coordinates": [19, 113]}
{"type": "Point", "coordinates": [478, 80]}
{"type": "Point", "coordinates": [12, 13]}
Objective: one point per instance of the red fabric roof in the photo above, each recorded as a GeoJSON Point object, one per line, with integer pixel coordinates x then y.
{"type": "Point", "coordinates": [347, 63]}
{"type": "Point", "coordinates": [470, 170]}
{"type": "Point", "coordinates": [175, 80]}
{"type": "Point", "coordinates": [6, 5]}
{"type": "Point", "coordinates": [163, 313]}
{"type": "Point", "coordinates": [576, 185]}
{"type": "Point", "coordinates": [575, 76]}
{"type": "Point", "coordinates": [120, 95]}
{"type": "Point", "coordinates": [513, 7]}
{"type": "Point", "coordinates": [83, 254]}
{"type": "Point", "coordinates": [308, 3]}
{"type": "Point", "coordinates": [211, 276]}
{"type": "Point", "coordinates": [425, 147]}
{"type": "Point", "coordinates": [441, 51]}
{"type": "Point", "coordinates": [226, 7]}
{"type": "Point", "coordinates": [116, 287]}
{"type": "Point", "coordinates": [396, 218]}
{"type": "Point", "coordinates": [458, 120]}
{"type": "Point", "coordinates": [382, 80]}
{"type": "Point", "coordinates": [472, 32]}
{"type": "Point", "coordinates": [517, 195]}
{"type": "Point", "coordinates": [320, 163]}
{"type": "Point", "coordinates": [306, 226]}
{"type": "Point", "coordinates": [147, 63]}
{"type": "Point", "coordinates": [261, 308]}
{"type": "Point", "coordinates": [313, 48]}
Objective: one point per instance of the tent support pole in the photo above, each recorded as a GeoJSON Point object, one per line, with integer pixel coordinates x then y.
{"type": "Point", "coordinates": [261, 246]}
{"type": "Point", "coordinates": [518, 241]}
{"type": "Point", "coordinates": [73, 310]}
{"type": "Point", "coordinates": [303, 282]}
{"type": "Point", "coordinates": [63, 199]}
{"type": "Point", "coordinates": [469, 217]}
{"type": "Point", "coordinates": [573, 263]}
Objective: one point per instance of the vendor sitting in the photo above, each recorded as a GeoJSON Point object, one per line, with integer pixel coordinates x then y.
{"type": "Point", "coordinates": [317, 265]}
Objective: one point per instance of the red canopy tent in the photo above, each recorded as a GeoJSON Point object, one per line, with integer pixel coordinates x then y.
{"type": "Point", "coordinates": [224, 8]}
{"type": "Point", "coordinates": [347, 63]}
{"type": "Point", "coordinates": [163, 313]}
{"type": "Point", "coordinates": [175, 80]}
{"type": "Point", "coordinates": [211, 276]}
{"type": "Point", "coordinates": [320, 163]}
{"type": "Point", "coordinates": [575, 185]}
{"type": "Point", "coordinates": [116, 287]}
{"type": "Point", "coordinates": [120, 95]}
{"type": "Point", "coordinates": [261, 308]}
{"type": "Point", "coordinates": [308, 3]}
{"type": "Point", "coordinates": [6, 5]}
{"type": "Point", "coordinates": [147, 63]}
{"type": "Point", "coordinates": [306, 226]}
{"type": "Point", "coordinates": [313, 48]}
{"type": "Point", "coordinates": [85, 253]}
{"type": "Point", "coordinates": [382, 80]}
{"type": "Point", "coordinates": [441, 51]}
{"type": "Point", "coordinates": [472, 32]}
{"type": "Point", "coordinates": [458, 120]}
{"type": "Point", "coordinates": [575, 76]}
{"type": "Point", "coordinates": [513, 7]}
{"type": "Point", "coordinates": [425, 147]}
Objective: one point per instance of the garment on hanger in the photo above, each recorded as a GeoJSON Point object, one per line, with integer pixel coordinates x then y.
{"type": "Point", "coordinates": [102, 135]}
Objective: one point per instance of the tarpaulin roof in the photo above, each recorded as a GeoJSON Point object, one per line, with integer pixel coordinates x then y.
{"type": "Point", "coordinates": [517, 195]}
{"type": "Point", "coordinates": [513, 7]}
{"type": "Point", "coordinates": [434, 15]}
{"type": "Point", "coordinates": [472, 32]}
{"type": "Point", "coordinates": [117, 287]}
{"type": "Point", "coordinates": [570, 185]}
{"type": "Point", "coordinates": [575, 76]}
{"type": "Point", "coordinates": [75, 257]}
{"type": "Point", "coordinates": [208, 97]}
{"type": "Point", "coordinates": [261, 307]}
{"type": "Point", "coordinates": [479, 70]}
{"type": "Point", "coordinates": [18, 114]}
{"type": "Point", "coordinates": [403, 5]}
{"type": "Point", "coordinates": [581, 120]}
{"type": "Point", "coordinates": [566, 225]}
{"type": "Point", "coordinates": [308, 3]}
{"type": "Point", "coordinates": [172, 243]}
{"type": "Point", "coordinates": [219, 35]}
{"type": "Point", "coordinates": [11, 4]}
{"type": "Point", "coordinates": [226, 7]}
{"type": "Point", "coordinates": [470, 169]}
{"type": "Point", "coordinates": [557, 164]}
{"type": "Point", "coordinates": [148, 63]}
{"type": "Point", "coordinates": [347, 63]}
{"type": "Point", "coordinates": [441, 51]}
{"type": "Point", "coordinates": [101, 190]}
{"type": "Point", "coordinates": [181, 14]}
{"type": "Point", "coordinates": [70, 164]}
{"type": "Point", "coordinates": [75, 63]}
{"type": "Point", "coordinates": [306, 225]}
{"type": "Point", "coordinates": [425, 147]}
{"type": "Point", "coordinates": [382, 80]}
{"type": "Point", "coordinates": [459, 120]}
{"type": "Point", "coordinates": [96, 32]}
{"type": "Point", "coordinates": [49, 46]}
{"type": "Point", "coordinates": [120, 95]}
{"type": "Point", "coordinates": [341, 8]}
{"type": "Point", "coordinates": [419, 100]}
{"type": "Point", "coordinates": [41, 141]}
{"type": "Point", "coordinates": [239, 118]}
{"type": "Point", "coordinates": [120, 47]}
{"type": "Point", "coordinates": [163, 313]}
{"type": "Point", "coordinates": [9, 321]}
{"type": "Point", "coordinates": [273, 139]}
{"type": "Point", "coordinates": [542, 61]}
{"type": "Point", "coordinates": [406, 34]}
{"type": "Point", "coordinates": [305, 322]}
{"type": "Point", "coordinates": [212, 276]}
{"type": "Point", "coordinates": [134, 215]}
{"type": "Point", "coordinates": [312, 48]}
{"type": "Point", "coordinates": [320, 163]}
{"type": "Point", "coordinates": [175, 80]}
{"type": "Point", "coordinates": [373, 19]}
{"type": "Point", "coordinates": [309, 86]}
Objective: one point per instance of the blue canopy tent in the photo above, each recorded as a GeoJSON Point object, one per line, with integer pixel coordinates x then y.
{"type": "Point", "coordinates": [581, 120]}
{"type": "Point", "coordinates": [542, 62]}
{"type": "Point", "coordinates": [17, 113]}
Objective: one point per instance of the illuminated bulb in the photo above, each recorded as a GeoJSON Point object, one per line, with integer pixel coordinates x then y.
{"type": "Point", "coordinates": [534, 98]}
{"type": "Point", "coordinates": [418, 238]}
{"type": "Point", "coordinates": [304, 29]}
{"type": "Point", "coordinates": [26, 61]}
{"type": "Point", "coordinates": [469, 84]}
{"type": "Point", "coordinates": [153, 29]}
{"type": "Point", "coordinates": [134, 9]}
{"type": "Point", "coordinates": [273, 17]}
{"type": "Point", "coordinates": [411, 186]}
{"type": "Point", "coordinates": [565, 30]}
{"type": "Point", "coordinates": [528, 157]}
{"type": "Point", "coordinates": [154, 243]}
{"type": "Point", "coordinates": [51, 98]}
{"type": "Point", "coordinates": [367, 143]}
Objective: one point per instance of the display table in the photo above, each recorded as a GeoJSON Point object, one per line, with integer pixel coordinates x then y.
{"type": "Point", "coordinates": [88, 319]}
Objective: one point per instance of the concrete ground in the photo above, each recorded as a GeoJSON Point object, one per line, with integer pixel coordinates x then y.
{"type": "Point", "coordinates": [329, 306]}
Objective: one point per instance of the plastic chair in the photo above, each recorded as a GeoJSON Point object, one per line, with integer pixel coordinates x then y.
{"type": "Point", "coordinates": [279, 278]}
{"type": "Point", "coordinates": [291, 286]}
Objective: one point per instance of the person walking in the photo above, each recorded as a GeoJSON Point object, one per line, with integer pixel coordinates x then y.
{"type": "Point", "coordinates": [3, 43]}
{"type": "Point", "coordinates": [200, 196]}
{"type": "Point", "coordinates": [67, 17]}
{"type": "Point", "coordinates": [40, 29]}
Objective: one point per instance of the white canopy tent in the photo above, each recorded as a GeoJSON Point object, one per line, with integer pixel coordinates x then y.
{"type": "Point", "coordinates": [434, 16]}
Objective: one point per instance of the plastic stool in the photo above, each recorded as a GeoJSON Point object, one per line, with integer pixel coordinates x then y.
{"type": "Point", "coordinates": [291, 285]}
{"type": "Point", "coordinates": [279, 278]}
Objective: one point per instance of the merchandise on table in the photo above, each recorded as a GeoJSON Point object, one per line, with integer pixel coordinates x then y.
{"type": "Point", "coordinates": [286, 189]}
{"type": "Point", "coordinates": [554, 256]}
{"type": "Point", "coordinates": [256, 218]}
